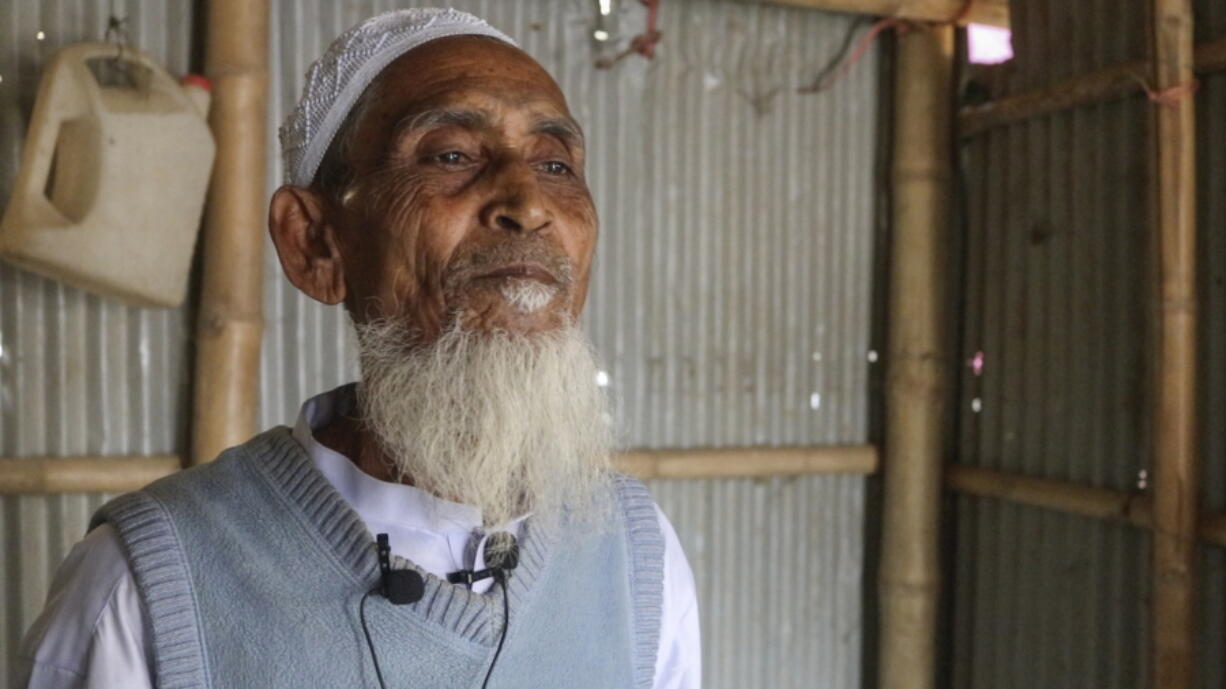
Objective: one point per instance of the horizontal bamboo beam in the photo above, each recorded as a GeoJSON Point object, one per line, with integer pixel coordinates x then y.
{"type": "Point", "coordinates": [1061, 496]}
{"type": "Point", "coordinates": [1099, 86]}
{"type": "Point", "coordinates": [1070, 498]}
{"type": "Point", "coordinates": [42, 475]}
{"type": "Point", "coordinates": [748, 462]}
{"type": "Point", "coordinates": [990, 12]}
{"type": "Point", "coordinates": [1212, 528]}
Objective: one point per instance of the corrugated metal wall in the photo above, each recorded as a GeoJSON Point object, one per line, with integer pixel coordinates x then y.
{"type": "Point", "coordinates": [1211, 125]}
{"type": "Point", "coordinates": [730, 300]}
{"type": "Point", "coordinates": [1058, 212]}
{"type": "Point", "coordinates": [78, 374]}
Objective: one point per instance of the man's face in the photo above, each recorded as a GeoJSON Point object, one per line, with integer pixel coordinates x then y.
{"type": "Point", "coordinates": [468, 202]}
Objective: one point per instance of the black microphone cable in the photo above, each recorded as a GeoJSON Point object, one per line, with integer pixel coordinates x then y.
{"type": "Point", "coordinates": [370, 644]}
{"type": "Point", "coordinates": [506, 622]}
{"type": "Point", "coordinates": [501, 577]}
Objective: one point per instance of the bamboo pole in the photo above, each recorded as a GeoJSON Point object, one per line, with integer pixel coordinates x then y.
{"type": "Point", "coordinates": [42, 475]}
{"type": "Point", "coordinates": [1212, 529]}
{"type": "Point", "coordinates": [748, 462]}
{"type": "Point", "coordinates": [230, 324]}
{"type": "Point", "coordinates": [1099, 86]}
{"type": "Point", "coordinates": [990, 12]}
{"type": "Point", "coordinates": [1176, 472]}
{"type": "Point", "coordinates": [917, 379]}
{"type": "Point", "coordinates": [1097, 503]}
{"type": "Point", "coordinates": [1049, 494]}
{"type": "Point", "coordinates": [117, 474]}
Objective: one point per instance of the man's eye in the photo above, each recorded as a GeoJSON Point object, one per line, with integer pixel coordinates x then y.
{"type": "Point", "coordinates": [451, 158]}
{"type": "Point", "coordinates": [555, 167]}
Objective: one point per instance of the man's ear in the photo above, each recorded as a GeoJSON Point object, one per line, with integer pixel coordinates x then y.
{"type": "Point", "coordinates": [306, 244]}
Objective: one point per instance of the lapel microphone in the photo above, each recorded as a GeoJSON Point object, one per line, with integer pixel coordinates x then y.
{"type": "Point", "coordinates": [501, 556]}
{"type": "Point", "coordinates": [400, 586]}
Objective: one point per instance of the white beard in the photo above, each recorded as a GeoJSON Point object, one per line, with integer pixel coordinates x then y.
{"type": "Point", "coordinates": [509, 424]}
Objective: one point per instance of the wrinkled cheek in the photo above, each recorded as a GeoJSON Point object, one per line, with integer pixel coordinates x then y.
{"type": "Point", "coordinates": [584, 216]}
{"type": "Point", "coordinates": [410, 276]}
{"type": "Point", "coordinates": [583, 254]}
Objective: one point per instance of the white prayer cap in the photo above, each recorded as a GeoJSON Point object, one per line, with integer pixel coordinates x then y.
{"type": "Point", "coordinates": [336, 80]}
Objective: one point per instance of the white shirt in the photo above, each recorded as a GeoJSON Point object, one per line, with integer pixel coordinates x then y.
{"type": "Point", "coordinates": [94, 632]}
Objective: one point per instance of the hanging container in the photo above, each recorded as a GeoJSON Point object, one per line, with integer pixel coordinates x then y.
{"type": "Point", "coordinates": [113, 176]}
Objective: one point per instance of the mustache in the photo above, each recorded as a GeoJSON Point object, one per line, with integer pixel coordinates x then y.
{"type": "Point", "coordinates": [480, 261]}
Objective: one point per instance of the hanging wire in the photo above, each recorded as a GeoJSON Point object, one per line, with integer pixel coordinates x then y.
{"type": "Point", "coordinates": [849, 39]}
{"type": "Point", "coordinates": [117, 34]}
{"type": "Point", "coordinates": [644, 44]}
{"type": "Point", "coordinates": [851, 54]}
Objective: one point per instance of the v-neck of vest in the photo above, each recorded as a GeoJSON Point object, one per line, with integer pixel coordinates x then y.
{"type": "Point", "coordinates": [321, 509]}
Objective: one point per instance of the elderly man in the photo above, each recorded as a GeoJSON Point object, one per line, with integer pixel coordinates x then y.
{"type": "Point", "coordinates": [436, 189]}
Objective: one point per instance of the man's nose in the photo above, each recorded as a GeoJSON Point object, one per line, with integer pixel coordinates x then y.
{"type": "Point", "coordinates": [517, 204]}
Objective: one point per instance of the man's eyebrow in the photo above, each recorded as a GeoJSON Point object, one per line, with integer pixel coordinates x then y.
{"type": "Point", "coordinates": [441, 117]}
{"type": "Point", "coordinates": [563, 128]}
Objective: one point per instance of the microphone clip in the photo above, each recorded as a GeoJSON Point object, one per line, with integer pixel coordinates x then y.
{"type": "Point", "coordinates": [468, 577]}
{"type": "Point", "coordinates": [502, 556]}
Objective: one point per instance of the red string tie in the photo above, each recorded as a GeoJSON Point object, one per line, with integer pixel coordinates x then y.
{"type": "Point", "coordinates": [1169, 97]}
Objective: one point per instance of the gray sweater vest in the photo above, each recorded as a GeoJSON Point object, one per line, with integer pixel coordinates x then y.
{"type": "Point", "coordinates": [252, 568]}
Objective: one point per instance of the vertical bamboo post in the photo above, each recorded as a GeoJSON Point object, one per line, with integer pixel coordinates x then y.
{"type": "Point", "coordinates": [1176, 474]}
{"type": "Point", "coordinates": [230, 322]}
{"type": "Point", "coordinates": [916, 387]}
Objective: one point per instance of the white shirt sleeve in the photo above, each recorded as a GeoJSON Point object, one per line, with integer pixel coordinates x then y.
{"type": "Point", "coordinates": [679, 660]}
{"type": "Point", "coordinates": [92, 633]}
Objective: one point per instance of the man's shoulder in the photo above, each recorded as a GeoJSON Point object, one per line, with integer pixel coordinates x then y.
{"type": "Point", "coordinates": [273, 443]}
{"type": "Point", "coordinates": [204, 487]}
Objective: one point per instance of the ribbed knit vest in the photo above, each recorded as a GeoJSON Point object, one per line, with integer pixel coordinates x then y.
{"type": "Point", "coordinates": [252, 568]}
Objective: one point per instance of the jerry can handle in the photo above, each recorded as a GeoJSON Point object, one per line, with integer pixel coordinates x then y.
{"type": "Point", "coordinates": [82, 53]}
{"type": "Point", "coordinates": [52, 107]}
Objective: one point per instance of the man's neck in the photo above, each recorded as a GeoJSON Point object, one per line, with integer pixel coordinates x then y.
{"type": "Point", "coordinates": [349, 437]}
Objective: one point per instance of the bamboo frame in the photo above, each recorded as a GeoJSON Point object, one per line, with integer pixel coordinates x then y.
{"type": "Point", "coordinates": [748, 462]}
{"type": "Point", "coordinates": [40, 475]}
{"type": "Point", "coordinates": [117, 474]}
{"type": "Point", "coordinates": [1176, 470]}
{"type": "Point", "coordinates": [1060, 496]}
{"type": "Point", "coordinates": [230, 326]}
{"type": "Point", "coordinates": [1099, 86]}
{"type": "Point", "coordinates": [990, 12]}
{"type": "Point", "coordinates": [917, 386]}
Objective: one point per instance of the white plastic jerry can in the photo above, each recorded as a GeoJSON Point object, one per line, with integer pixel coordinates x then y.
{"type": "Point", "coordinates": [113, 176]}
